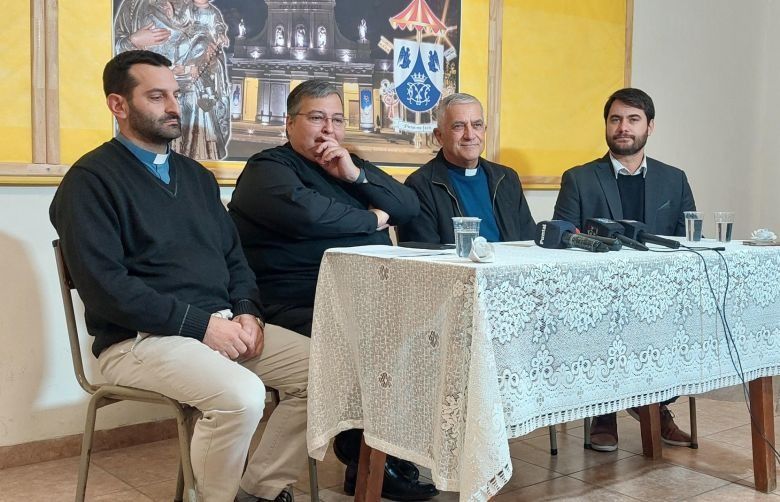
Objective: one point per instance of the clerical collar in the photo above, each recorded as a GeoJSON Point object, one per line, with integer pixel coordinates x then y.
{"type": "Point", "coordinates": [146, 157]}
{"type": "Point", "coordinates": [461, 170]}
{"type": "Point", "coordinates": [155, 163]}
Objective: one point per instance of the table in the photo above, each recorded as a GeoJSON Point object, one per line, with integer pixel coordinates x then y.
{"type": "Point", "coordinates": [441, 360]}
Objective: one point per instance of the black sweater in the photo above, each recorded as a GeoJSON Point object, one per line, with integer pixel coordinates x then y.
{"type": "Point", "coordinates": [288, 211]}
{"type": "Point", "coordinates": [145, 256]}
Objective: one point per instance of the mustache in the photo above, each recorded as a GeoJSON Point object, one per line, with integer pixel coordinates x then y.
{"type": "Point", "coordinates": [172, 116]}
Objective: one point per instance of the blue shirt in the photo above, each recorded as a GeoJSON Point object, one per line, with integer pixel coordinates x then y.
{"type": "Point", "coordinates": [474, 197]}
{"type": "Point", "coordinates": [156, 163]}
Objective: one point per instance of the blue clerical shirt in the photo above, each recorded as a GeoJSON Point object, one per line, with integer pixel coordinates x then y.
{"type": "Point", "coordinates": [473, 193]}
{"type": "Point", "coordinates": [156, 163]}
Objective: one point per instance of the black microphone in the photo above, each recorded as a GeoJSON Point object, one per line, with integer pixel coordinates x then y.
{"type": "Point", "coordinates": [610, 228]}
{"type": "Point", "coordinates": [638, 231]}
{"type": "Point", "coordinates": [559, 234]}
{"type": "Point", "coordinates": [612, 244]}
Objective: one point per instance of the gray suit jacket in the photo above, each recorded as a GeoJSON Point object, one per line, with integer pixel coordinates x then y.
{"type": "Point", "coordinates": [591, 191]}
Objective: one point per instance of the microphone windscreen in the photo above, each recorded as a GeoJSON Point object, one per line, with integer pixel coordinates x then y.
{"type": "Point", "coordinates": [549, 234]}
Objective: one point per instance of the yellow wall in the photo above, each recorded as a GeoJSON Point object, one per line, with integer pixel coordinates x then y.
{"type": "Point", "coordinates": [16, 83]}
{"type": "Point", "coordinates": [85, 47]}
{"type": "Point", "coordinates": [554, 84]}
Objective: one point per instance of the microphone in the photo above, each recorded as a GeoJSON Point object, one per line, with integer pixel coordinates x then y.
{"type": "Point", "coordinates": [637, 230]}
{"type": "Point", "coordinates": [612, 244]}
{"type": "Point", "coordinates": [610, 228]}
{"type": "Point", "coordinates": [559, 234]}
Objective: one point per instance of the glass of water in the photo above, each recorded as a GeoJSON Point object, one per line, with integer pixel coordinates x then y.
{"type": "Point", "coordinates": [466, 230]}
{"type": "Point", "coordinates": [693, 224]}
{"type": "Point", "coordinates": [724, 224]}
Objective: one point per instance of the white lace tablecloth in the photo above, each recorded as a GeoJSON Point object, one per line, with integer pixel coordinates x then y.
{"type": "Point", "coordinates": [442, 360]}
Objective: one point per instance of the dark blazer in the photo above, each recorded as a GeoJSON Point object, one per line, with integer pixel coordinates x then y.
{"type": "Point", "coordinates": [591, 191]}
{"type": "Point", "coordinates": [439, 204]}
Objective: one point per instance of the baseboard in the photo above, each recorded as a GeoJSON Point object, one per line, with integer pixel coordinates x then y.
{"type": "Point", "coordinates": [109, 439]}
{"type": "Point", "coordinates": [70, 446]}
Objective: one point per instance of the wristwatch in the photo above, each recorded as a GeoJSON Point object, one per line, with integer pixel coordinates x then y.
{"type": "Point", "coordinates": [361, 178]}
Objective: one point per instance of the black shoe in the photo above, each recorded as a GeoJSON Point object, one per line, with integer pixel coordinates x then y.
{"type": "Point", "coordinates": [395, 486]}
{"type": "Point", "coordinates": [346, 446]}
{"type": "Point", "coordinates": [408, 469]}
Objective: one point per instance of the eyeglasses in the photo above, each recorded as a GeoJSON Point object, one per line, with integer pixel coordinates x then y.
{"type": "Point", "coordinates": [318, 119]}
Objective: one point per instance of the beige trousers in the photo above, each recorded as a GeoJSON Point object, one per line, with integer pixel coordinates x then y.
{"type": "Point", "coordinates": [231, 397]}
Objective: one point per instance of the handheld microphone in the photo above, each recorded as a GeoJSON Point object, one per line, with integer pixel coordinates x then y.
{"type": "Point", "coordinates": [610, 228]}
{"type": "Point", "coordinates": [638, 231]}
{"type": "Point", "coordinates": [559, 234]}
{"type": "Point", "coordinates": [612, 244]}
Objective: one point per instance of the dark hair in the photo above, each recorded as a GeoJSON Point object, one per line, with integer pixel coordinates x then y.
{"type": "Point", "coordinates": [636, 98]}
{"type": "Point", "coordinates": [310, 89]}
{"type": "Point", "coordinates": [116, 74]}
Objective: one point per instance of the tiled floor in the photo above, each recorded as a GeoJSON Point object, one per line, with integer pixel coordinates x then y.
{"type": "Point", "coordinates": [720, 470]}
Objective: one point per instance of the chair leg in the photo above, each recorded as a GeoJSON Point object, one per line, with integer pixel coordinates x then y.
{"type": "Point", "coordinates": [314, 487]}
{"type": "Point", "coordinates": [586, 432]}
{"type": "Point", "coordinates": [179, 497]}
{"type": "Point", "coordinates": [694, 428]}
{"type": "Point", "coordinates": [185, 463]}
{"type": "Point", "coordinates": [86, 447]}
{"type": "Point", "coordinates": [553, 440]}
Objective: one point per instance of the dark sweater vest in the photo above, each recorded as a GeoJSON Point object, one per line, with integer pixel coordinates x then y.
{"type": "Point", "coordinates": [632, 196]}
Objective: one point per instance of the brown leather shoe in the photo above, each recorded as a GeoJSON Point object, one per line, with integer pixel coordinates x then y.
{"type": "Point", "coordinates": [603, 433]}
{"type": "Point", "coordinates": [670, 433]}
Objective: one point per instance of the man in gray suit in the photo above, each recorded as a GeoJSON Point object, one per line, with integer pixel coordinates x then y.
{"type": "Point", "coordinates": [627, 185]}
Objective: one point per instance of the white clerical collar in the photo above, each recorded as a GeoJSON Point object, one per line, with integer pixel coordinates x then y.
{"type": "Point", "coordinates": [619, 168]}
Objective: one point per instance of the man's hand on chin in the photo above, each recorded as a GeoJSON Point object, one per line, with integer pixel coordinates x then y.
{"type": "Point", "coordinates": [335, 160]}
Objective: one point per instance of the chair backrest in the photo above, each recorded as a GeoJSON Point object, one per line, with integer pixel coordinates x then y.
{"type": "Point", "coordinates": [66, 288]}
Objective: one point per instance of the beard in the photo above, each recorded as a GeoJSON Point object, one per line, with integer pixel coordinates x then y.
{"type": "Point", "coordinates": [154, 129]}
{"type": "Point", "coordinates": [635, 146]}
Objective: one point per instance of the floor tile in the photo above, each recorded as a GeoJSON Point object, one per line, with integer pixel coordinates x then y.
{"type": "Point", "coordinates": [572, 457]}
{"type": "Point", "coordinates": [714, 458]}
{"type": "Point", "coordinates": [735, 493]}
{"type": "Point", "coordinates": [123, 496]}
{"type": "Point", "coordinates": [162, 491]}
{"type": "Point", "coordinates": [563, 488]}
{"type": "Point", "coordinates": [526, 474]}
{"type": "Point", "coordinates": [650, 480]}
{"type": "Point", "coordinates": [142, 464]}
{"type": "Point", "coordinates": [55, 480]}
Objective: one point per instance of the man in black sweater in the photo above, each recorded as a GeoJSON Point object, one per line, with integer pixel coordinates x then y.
{"type": "Point", "coordinates": [168, 295]}
{"type": "Point", "coordinates": [627, 185]}
{"type": "Point", "coordinates": [293, 202]}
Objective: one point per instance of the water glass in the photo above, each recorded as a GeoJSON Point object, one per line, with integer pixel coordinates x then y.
{"type": "Point", "coordinates": [693, 224]}
{"type": "Point", "coordinates": [466, 230]}
{"type": "Point", "coordinates": [724, 224]}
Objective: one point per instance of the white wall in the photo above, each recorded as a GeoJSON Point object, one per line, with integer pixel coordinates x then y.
{"type": "Point", "coordinates": [710, 65]}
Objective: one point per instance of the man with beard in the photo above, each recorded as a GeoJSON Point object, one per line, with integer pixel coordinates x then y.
{"type": "Point", "coordinates": [168, 295]}
{"type": "Point", "coordinates": [625, 184]}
